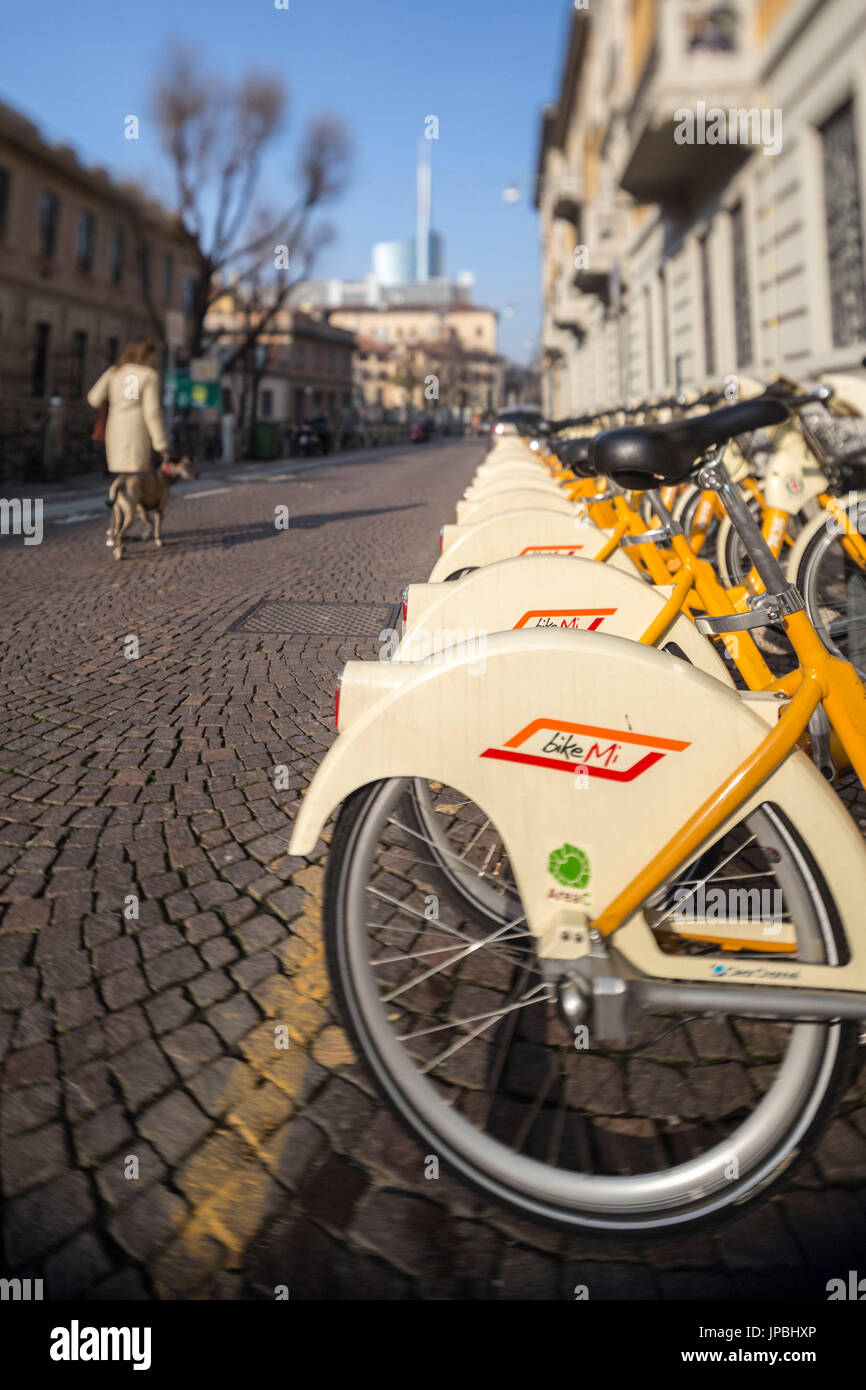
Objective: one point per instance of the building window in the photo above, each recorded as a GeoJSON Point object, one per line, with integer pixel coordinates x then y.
{"type": "Point", "coordinates": [49, 214]}
{"type": "Point", "coordinates": [742, 298]}
{"type": "Point", "coordinates": [844, 216]}
{"type": "Point", "coordinates": [648, 335]}
{"type": "Point", "coordinates": [707, 298]}
{"type": "Point", "coordinates": [331, 360]}
{"type": "Point", "coordinates": [144, 266]}
{"type": "Point", "coordinates": [713, 32]}
{"type": "Point", "coordinates": [267, 405]}
{"type": "Point", "coordinates": [78, 365]}
{"type": "Point", "coordinates": [115, 256]}
{"type": "Point", "coordinates": [188, 294]}
{"type": "Point", "coordinates": [111, 349]}
{"type": "Point", "coordinates": [39, 369]}
{"type": "Point", "coordinates": [84, 247]}
{"type": "Point", "coordinates": [666, 328]}
{"type": "Point", "coordinates": [5, 184]}
{"type": "Point", "coordinates": [167, 276]}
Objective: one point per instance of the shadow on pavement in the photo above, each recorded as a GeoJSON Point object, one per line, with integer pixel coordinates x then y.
{"type": "Point", "coordinates": [255, 531]}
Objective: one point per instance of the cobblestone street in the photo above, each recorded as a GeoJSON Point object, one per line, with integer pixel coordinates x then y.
{"type": "Point", "coordinates": [152, 1038]}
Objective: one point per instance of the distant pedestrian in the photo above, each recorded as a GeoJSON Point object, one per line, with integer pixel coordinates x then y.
{"type": "Point", "coordinates": [129, 391]}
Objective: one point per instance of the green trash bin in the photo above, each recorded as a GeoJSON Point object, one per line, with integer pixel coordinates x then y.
{"type": "Point", "coordinates": [267, 439]}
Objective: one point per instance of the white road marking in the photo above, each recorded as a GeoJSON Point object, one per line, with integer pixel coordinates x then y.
{"type": "Point", "coordinates": [205, 492]}
{"type": "Point", "coordinates": [262, 478]}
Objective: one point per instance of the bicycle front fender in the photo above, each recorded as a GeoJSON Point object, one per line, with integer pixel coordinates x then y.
{"type": "Point", "coordinates": [471, 511]}
{"type": "Point", "coordinates": [794, 477]}
{"type": "Point", "coordinates": [588, 753]}
{"type": "Point", "coordinates": [685, 495]}
{"type": "Point", "coordinates": [521, 482]}
{"type": "Point", "coordinates": [547, 591]}
{"type": "Point", "coordinates": [514, 475]}
{"type": "Point", "coordinates": [510, 478]}
{"type": "Point", "coordinates": [534, 531]}
{"type": "Point", "coordinates": [855, 501]}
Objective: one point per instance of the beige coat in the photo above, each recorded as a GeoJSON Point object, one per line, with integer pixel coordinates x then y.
{"type": "Point", "coordinates": [134, 424]}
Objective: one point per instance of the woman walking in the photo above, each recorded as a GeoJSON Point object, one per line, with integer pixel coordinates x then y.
{"type": "Point", "coordinates": [133, 427]}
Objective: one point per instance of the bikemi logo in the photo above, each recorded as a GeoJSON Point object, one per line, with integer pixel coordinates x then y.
{"type": "Point", "coordinates": [77, 1343]}
{"type": "Point", "coordinates": [581, 619]}
{"type": "Point", "coordinates": [615, 755]}
{"type": "Point", "coordinates": [551, 549]}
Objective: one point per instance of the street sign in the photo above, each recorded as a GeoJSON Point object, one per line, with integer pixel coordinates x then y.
{"type": "Point", "coordinates": [205, 369]}
{"type": "Point", "coordinates": [175, 386]}
{"type": "Point", "coordinates": [182, 392]}
{"type": "Point", "coordinates": [206, 393]}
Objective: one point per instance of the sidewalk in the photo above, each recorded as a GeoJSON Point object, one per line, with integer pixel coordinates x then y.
{"type": "Point", "coordinates": [83, 497]}
{"type": "Point", "coordinates": [152, 1037]}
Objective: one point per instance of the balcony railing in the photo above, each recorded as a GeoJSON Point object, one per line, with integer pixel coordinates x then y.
{"type": "Point", "coordinates": [698, 59]}
{"type": "Point", "coordinates": [555, 341]}
{"type": "Point", "coordinates": [597, 259]}
{"type": "Point", "coordinates": [563, 193]}
{"type": "Point", "coordinates": [571, 309]}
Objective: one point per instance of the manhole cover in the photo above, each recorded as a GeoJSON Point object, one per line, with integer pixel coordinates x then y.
{"type": "Point", "coordinates": [321, 619]}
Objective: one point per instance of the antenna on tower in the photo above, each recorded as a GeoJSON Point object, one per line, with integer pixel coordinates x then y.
{"type": "Point", "coordinates": [422, 224]}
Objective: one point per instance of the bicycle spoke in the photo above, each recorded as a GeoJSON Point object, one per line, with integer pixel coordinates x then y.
{"type": "Point", "coordinates": [435, 970]}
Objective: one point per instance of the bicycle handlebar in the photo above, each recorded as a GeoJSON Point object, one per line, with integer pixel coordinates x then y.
{"type": "Point", "coordinates": [794, 401]}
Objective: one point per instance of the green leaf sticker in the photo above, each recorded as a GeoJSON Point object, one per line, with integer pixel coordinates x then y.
{"type": "Point", "coordinates": [569, 866]}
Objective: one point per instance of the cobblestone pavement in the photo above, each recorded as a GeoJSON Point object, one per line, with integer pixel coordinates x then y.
{"type": "Point", "coordinates": [151, 1040]}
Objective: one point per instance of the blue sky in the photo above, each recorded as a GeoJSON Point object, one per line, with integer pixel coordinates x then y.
{"type": "Point", "coordinates": [484, 68]}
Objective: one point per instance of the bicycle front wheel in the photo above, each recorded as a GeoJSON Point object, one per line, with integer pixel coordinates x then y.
{"type": "Point", "coordinates": [442, 995]}
{"type": "Point", "coordinates": [833, 586]}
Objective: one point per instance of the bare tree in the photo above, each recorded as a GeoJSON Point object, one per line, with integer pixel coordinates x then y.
{"type": "Point", "coordinates": [409, 373]}
{"type": "Point", "coordinates": [452, 365]}
{"type": "Point", "coordinates": [216, 138]}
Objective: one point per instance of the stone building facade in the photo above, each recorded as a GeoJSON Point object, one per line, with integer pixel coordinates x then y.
{"type": "Point", "coordinates": [302, 364]}
{"type": "Point", "coordinates": [85, 265]}
{"type": "Point", "coordinates": [454, 342]}
{"type": "Point", "coordinates": [671, 258]}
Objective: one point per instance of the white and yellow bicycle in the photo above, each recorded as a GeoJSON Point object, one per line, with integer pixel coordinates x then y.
{"type": "Point", "coordinates": [517, 908]}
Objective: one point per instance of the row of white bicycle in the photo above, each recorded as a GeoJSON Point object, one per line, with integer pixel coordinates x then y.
{"type": "Point", "coordinates": [593, 907]}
